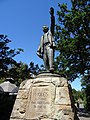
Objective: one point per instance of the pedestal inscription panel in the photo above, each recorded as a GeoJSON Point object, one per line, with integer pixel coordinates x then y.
{"type": "Point", "coordinates": [40, 102]}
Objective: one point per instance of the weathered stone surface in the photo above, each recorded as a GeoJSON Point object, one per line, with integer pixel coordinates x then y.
{"type": "Point", "coordinates": [47, 97]}
{"type": "Point", "coordinates": [23, 94]}
{"type": "Point", "coordinates": [26, 84]}
{"type": "Point", "coordinates": [61, 110]}
{"type": "Point", "coordinates": [59, 115]}
{"type": "Point", "coordinates": [60, 82]}
{"type": "Point", "coordinates": [15, 112]}
{"type": "Point", "coordinates": [46, 80]}
{"type": "Point", "coordinates": [22, 108]}
{"type": "Point", "coordinates": [47, 75]}
{"type": "Point", "coordinates": [46, 119]}
{"type": "Point", "coordinates": [62, 96]}
{"type": "Point", "coordinates": [19, 109]}
{"type": "Point", "coordinates": [40, 102]}
{"type": "Point", "coordinates": [16, 119]}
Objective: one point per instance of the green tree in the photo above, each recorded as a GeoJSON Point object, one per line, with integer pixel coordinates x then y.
{"type": "Point", "coordinates": [19, 72]}
{"type": "Point", "coordinates": [78, 95]}
{"type": "Point", "coordinates": [73, 40]}
{"type": "Point", "coordinates": [11, 68]}
{"type": "Point", "coordinates": [22, 71]}
{"type": "Point", "coordinates": [6, 56]}
{"type": "Point", "coordinates": [86, 88]}
{"type": "Point", "coordinates": [35, 69]}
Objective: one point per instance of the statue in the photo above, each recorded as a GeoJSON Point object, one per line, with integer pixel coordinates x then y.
{"type": "Point", "coordinates": [47, 44]}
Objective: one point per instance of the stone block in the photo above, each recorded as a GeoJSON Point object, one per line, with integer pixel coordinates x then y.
{"type": "Point", "coordinates": [62, 96]}
{"type": "Point", "coordinates": [19, 108]}
{"type": "Point", "coordinates": [46, 97]}
{"type": "Point", "coordinates": [23, 104]}
{"type": "Point", "coordinates": [45, 80]}
{"type": "Point", "coordinates": [23, 94]}
{"type": "Point", "coordinates": [60, 82]}
{"type": "Point", "coordinates": [26, 84]}
{"type": "Point", "coordinates": [39, 103]}
{"type": "Point", "coordinates": [61, 115]}
{"type": "Point", "coordinates": [46, 119]}
{"type": "Point", "coordinates": [16, 119]}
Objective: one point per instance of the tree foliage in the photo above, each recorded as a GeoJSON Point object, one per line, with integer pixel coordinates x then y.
{"type": "Point", "coordinates": [73, 41]}
{"type": "Point", "coordinates": [10, 67]}
{"type": "Point", "coordinates": [23, 71]}
{"type": "Point", "coordinates": [6, 55]}
{"type": "Point", "coordinates": [19, 72]}
{"type": "Point", "coordinates": [86, 88]}
{"type": "Point", "coordinates": [78, 95]}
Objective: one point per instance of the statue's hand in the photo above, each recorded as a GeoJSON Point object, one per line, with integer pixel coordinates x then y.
{"type": "Point", "coordinates": [53, 45]}
{"type": "Point", "coordinates": [39, 54]}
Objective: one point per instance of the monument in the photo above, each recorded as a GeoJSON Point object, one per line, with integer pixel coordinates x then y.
{"type": "Point", "coordinates": [48, 96]}
{"type": "Point", "coordinates": [47, 44]}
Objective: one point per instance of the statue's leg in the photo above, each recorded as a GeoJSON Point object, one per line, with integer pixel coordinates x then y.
{"type": "Point", "coordinates": [51, 58]}
{"type": "Point", "coordinates": [45, 59]}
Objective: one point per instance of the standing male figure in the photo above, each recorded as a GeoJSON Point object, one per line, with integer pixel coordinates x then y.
{"type": "Point", "coordinates": [47, 44]}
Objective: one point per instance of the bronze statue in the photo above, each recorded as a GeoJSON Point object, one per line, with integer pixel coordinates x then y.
{"type": "Point", "coordinates": [47, 44]}
{"type": "Point", "coordinates": [52, 20]}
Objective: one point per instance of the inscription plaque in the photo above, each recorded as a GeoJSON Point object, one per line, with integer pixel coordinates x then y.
{"type": "Point", "coordinates": [40, 102]}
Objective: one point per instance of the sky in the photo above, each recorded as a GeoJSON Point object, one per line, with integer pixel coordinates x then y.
{"type": "Point", "coordinates": [22, 21]}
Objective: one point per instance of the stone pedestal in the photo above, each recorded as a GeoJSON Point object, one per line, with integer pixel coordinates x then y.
{"type": "Point", "coordinates": [47, 97]}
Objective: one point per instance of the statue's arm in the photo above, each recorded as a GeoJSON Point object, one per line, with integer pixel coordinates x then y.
{"type": "Point", "coordinates": [40, 49]}
{"type": "Point", "coordinates": [52, 20]}
{"type": "Point", "coordinates": [41, 45]}
{"type": "Point", "coordinates": [52, 24]}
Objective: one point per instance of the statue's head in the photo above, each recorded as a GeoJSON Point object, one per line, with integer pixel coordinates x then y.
{"type": "Point", "coordinates": [45, 28]}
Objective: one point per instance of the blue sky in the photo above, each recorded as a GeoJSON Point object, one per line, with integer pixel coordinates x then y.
{"type": "Point", "coordinates": [22, 21]}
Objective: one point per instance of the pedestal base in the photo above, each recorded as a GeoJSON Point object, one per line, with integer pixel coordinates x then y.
{"type": "Point", "coordinates": [47, 97]}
